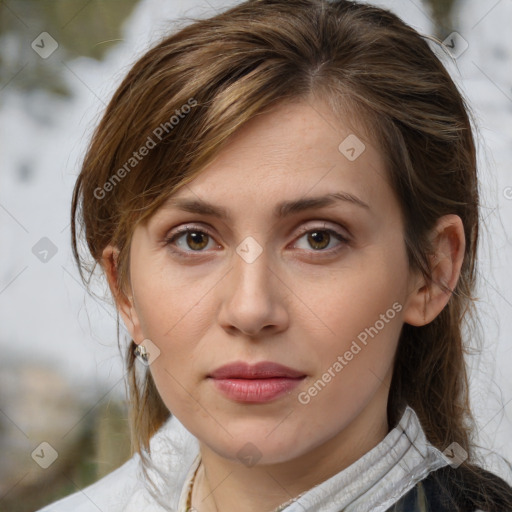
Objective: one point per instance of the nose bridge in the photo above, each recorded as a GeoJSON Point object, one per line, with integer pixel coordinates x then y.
{"type": "Point", "coordinates": [250, 259]}
{"type": "Point", "coordinates": [251, 270]}
{"type": "Point", "coordinates": [251, 300]}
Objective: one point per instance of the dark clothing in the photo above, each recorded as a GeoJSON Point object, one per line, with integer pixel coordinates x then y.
{"type": "Point", "coordinates": [450, 489]}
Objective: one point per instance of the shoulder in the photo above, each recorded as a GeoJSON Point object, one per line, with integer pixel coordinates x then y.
{"type": "Point", "coordinates": [109, 493]}
{"type": "Point", "coordinates": [462, 489]}
{"type": "Point", "coordinates": [469, 488]}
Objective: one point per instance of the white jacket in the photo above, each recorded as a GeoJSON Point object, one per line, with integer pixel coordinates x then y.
{"type": "Point", "coordinates": [373, 483]}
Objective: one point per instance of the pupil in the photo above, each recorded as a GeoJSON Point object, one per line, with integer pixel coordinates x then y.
{"type": "Point", "coordinates": [316, 237]}
{"type": "Point", "coordinates": [193, 240]}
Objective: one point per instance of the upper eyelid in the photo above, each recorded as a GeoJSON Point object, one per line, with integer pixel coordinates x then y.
{"type": "Point", "coordinates": [302, 230]}
{"type": "Point", "coordinates": [200, 227]}
{"type": "Point", "coordinates": [326, 227]}
{"type": "Point", "coordinates": [187, 228]}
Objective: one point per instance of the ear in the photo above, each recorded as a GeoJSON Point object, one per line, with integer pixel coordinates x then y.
{"type": "Point", "coordinates": [125, 303]}
{"type": "Point", "coordinates": [427, 300]}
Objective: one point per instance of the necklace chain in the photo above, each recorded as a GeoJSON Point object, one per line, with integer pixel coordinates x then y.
{"type": "Point", "coordinates": [210, 488]}
{"type": "Point", "coordinates": [281, 507]}
{"type": "Point", "coordinates": [194, 486]}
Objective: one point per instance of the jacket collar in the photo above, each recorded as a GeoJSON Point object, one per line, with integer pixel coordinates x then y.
{"type": "Point", "coordinates": [372, 483]}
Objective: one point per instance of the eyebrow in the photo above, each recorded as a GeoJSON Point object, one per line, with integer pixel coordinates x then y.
{"type": "Point", "coordinates": [281, 210]}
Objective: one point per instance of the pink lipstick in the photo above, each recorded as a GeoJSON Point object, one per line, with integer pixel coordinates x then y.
{"type": "Point", "coordinates": [258, 383]}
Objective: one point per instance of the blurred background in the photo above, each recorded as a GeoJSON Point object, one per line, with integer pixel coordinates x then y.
{"type": "Point", "coordinates": [62, 393]}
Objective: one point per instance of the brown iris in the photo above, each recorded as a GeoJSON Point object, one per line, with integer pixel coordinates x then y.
{"type": "Point", "coordinates": [194, 240]}
{"type": "Point", "coordinates": [315, 239]}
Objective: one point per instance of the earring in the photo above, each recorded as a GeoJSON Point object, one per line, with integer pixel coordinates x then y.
{"type": "Point", "coordinates": [141, 352]}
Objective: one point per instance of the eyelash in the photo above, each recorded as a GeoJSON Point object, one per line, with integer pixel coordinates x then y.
{"type": "Point", "coordinates": [194, 229]}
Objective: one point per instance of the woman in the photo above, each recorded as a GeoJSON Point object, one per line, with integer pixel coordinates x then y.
{"type": "Point", "coordinates": [284, 201]}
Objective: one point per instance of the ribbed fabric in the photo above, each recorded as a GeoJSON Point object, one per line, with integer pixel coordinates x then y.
{"type": "Point", "coordinates": [373, 483]}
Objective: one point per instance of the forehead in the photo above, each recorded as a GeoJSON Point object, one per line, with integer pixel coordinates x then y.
{"type": "Point", "coordinates": [299, 149]}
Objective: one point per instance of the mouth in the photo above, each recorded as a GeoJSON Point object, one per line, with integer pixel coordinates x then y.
{"type": "Point", "coordinates": [262, 370]}
{"type": "Point", "coordinates": [257, 383]}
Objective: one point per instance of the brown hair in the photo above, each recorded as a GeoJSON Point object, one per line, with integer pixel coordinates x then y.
{"type": "Point", "coordinates": [233, 66]}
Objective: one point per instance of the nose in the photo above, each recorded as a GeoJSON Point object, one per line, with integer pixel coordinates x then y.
{"type": "Point", "coordinates": [253, 299]}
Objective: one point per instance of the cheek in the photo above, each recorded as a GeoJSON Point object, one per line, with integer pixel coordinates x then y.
{"type": "Point", "coordinates": [356, 296]}
{"type": "Point", "coordinates": [174, 311]}
{"type": "Point", "coordinates": [355, 361]}
{"type": "Point", "coordinates": [363, 315]}
{"type": "Point", "coordinates": [168, 299]}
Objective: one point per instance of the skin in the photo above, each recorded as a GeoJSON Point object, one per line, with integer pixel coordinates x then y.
{"type": "Point", "coordinates": [298, 304]}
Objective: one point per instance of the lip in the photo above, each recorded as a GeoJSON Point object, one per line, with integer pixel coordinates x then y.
{"type": "Point", "coordinates": [258, 383]}
{"type": "Point", "coordinates": [262, 370]}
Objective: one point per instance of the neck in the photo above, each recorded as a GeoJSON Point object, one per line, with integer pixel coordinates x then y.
{"type": "Point", "coordinates": [227, 485]}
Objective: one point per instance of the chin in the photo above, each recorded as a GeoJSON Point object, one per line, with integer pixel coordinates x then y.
{"type": "Point", "coordinates": [254, 446]}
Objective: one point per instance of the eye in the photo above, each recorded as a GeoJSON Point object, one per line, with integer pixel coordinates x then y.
{"type": "Point", "coordinates": [320, 238]}
{"type": "Point", "coordinates": [189, 237]}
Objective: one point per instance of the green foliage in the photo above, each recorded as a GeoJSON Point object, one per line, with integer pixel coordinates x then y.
{"type": "Point", "coordinates": [80, 27]}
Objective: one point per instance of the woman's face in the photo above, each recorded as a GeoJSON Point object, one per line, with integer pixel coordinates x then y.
{"type": "Point", "coordinates": [307, 269]}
